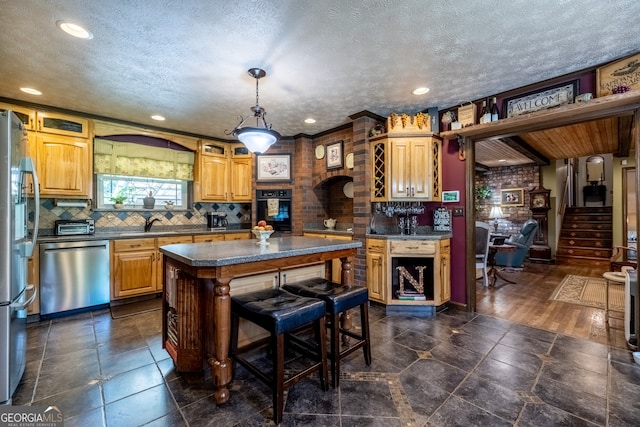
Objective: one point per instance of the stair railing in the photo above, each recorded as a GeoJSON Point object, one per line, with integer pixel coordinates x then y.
{"type": "Point", "coordinates": [564, 198]}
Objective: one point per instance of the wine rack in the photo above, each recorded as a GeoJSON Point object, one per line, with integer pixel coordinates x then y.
{"type": "Point", "coordinates": [379, 187]}
{"type": "Point", "coordinates": [436, 171]}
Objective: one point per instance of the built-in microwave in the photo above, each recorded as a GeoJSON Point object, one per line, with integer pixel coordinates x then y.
{"type": "Point", "coordinates": [70, 227]}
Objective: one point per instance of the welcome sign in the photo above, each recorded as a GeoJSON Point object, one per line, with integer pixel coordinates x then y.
{"type": "Point", "coordinates": [552, 97]}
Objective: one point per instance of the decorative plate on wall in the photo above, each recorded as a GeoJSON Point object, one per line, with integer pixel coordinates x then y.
{"type": "Point", "coordinates": [349, 161]}
{"type": "Point", "coordinates": [320, 152]}
{"type": "Point", "coordinates": [348, 189]}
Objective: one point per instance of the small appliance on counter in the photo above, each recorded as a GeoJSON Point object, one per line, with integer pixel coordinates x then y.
{"type": "Point", "coordinates": [73, 227]}
{"type": "Point", "coordinates": [216, 220]}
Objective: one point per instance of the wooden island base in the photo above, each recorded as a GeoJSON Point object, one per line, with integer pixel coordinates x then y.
{"type": "Point", "coordinates": [196, 295]}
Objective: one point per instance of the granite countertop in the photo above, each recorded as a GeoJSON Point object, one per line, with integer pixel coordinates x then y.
{"type": "Point", "coordinates": [138, 233]}
{"type": "Point", "coordinates": [216, 254]}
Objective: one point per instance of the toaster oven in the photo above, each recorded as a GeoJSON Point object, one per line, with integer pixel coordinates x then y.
{"type": "Point", "coordinates": [70, 227]}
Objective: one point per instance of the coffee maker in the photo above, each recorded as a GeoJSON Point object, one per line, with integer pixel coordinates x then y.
{"type": "Point", "coordinates": [216, 219]}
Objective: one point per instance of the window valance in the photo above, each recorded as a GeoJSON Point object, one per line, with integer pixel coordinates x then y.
{"type": "Point", "coordinates": [131, 159]}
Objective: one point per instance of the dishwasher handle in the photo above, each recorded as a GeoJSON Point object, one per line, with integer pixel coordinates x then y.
{"type": "Point", "coordinates": [84, 247]}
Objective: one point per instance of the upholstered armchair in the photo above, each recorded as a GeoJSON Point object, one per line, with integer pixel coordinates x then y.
{"type": "Point", "coordinates": [524, 240]}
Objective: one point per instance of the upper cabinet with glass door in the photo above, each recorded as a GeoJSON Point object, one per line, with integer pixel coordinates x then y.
{"type": "Point", "coordinates": [26, 115]}
{"type": "Point", "coordinates": [224, 172]}
{"type": "Point", "coordinates": [61, 124]}
{"type": "Point", "coordinates": [61, 149]}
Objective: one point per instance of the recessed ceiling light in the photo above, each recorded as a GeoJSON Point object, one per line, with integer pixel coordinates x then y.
{"type": "Point", "coordinates": [310, 120]}
{"type": "Point", "coordinates": [502, 160]}
{"type": "Point", "coordinates": [157, 117]}
{"type": "Point", "coordinates": [30, 91]}
{"type": "Point", "coordinates": [420, 91]}
{"type": "Point", "coordinates": [74, 30]}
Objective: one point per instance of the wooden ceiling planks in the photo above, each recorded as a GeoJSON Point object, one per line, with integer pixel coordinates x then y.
{"type": "Point", "coordinates": [600, 126]}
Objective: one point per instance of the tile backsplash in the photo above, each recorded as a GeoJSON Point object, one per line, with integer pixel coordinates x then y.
{"type": "Point", "coordinates": [237, 214]}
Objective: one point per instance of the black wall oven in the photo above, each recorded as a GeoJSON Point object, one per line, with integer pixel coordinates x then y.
{"type": "Point", "coordinates": [274, 206]}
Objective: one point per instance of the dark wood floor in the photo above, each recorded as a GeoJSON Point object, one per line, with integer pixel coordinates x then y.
{"type": "Point", "coordinates": [527, 302]}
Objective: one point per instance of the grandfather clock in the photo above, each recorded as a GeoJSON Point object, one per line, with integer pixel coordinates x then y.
{"type": "Point", "coordinates": [539, 205]}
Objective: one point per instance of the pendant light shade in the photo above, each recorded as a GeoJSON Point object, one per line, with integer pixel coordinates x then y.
{"type": "Point", "coordinates": [257, 139]}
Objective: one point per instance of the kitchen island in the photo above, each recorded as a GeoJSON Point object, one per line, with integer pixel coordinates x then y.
{"type": "Point", "coordinates": [197, 285]}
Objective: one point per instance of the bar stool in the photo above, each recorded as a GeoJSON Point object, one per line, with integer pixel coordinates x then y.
{"type": "Point", "coordinates": [280, 312]}
{"type": "Point", "coordinates": [339, 298]}
{"type": "Point", "coordinates": [615, 277]}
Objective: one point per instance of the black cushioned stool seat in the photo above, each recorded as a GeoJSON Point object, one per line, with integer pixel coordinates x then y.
{"type": "Point", "coordinates": [339, 299]}
{"type": "Point", "coordinates": [280, 312]}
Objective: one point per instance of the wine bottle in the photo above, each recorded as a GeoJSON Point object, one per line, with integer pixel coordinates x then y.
{"type": "Point", "coordinates": [483, 113]}
{"type": "Point", "coordinates": [495, 113]}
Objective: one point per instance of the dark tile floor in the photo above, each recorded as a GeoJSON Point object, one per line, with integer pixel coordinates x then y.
{"type": "Point", "coordinates": [455, 369]}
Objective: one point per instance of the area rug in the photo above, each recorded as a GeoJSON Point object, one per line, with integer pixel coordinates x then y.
{"type": "Point", "coordinates": [589, 291]}
{"type": "Point", "coordinates": [133, 308]}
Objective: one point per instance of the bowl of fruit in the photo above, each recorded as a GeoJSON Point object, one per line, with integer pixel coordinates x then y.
{"type": "Point", "coordinates": [262, 231]}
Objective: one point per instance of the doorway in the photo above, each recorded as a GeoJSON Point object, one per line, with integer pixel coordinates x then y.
{"type": "Point", "coordinates": [629, 209]}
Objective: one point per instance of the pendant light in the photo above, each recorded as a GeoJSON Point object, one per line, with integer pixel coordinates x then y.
{"type": "Point", "coordinates": [257, 139]}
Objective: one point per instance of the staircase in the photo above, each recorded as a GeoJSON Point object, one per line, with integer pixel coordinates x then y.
{"type": "Point", "coordinates": [585, 236]}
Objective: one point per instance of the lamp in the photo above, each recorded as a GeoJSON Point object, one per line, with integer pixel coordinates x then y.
{"type": "Point", "coordinates": [496, 213]}
{"type": "Point", "coordinates": [256, 139]}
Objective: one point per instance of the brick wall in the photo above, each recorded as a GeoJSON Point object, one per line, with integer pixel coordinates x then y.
{"type": "Point", "coordinates": [526, 177]}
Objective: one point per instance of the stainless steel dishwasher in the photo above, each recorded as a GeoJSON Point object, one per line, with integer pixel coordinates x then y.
{"type": "Point", "coordinates": [73, 275]}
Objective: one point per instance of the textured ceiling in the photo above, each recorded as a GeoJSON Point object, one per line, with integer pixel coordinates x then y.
{"type": "Point", "coordinates": [187, 60]}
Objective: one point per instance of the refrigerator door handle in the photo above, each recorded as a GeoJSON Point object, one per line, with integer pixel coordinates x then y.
{"type": "Point", "coordinates": [27, 303]}
{"type": "Point", "coordinates": [27, 167]}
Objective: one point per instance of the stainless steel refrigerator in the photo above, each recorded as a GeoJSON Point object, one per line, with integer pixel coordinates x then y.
{"type": "Point", "coordinates": [16, 246]}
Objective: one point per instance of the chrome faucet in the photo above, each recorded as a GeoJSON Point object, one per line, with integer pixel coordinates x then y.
{"type": "Point", "coordinates": [148, 222]}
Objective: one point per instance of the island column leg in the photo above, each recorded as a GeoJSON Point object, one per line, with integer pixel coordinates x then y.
{"type": "Point", "coordinates": [220, 363]}
{"type": "Point", "coordinates": [345, 318]}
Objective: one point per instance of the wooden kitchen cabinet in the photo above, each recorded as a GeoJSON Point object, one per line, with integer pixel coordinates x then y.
{"type": "Point", "coordinates": [217, 237]}
{"type": "Point", "coordinates": [133, 267]}
{"type": "Point", "coordinates": [385, 257]}
{"type": "Point", "coordinates": [406, 166]}
{"type": "Point", "coordinates": [61, 148]}
{"type": "Point", "coordinates": [415, 173]}
{"type": "Point", "coordinates": [376, 269]}
{"type": "Point", "coordinates": [224, 172]}
{"type": "Point", "coordinates": [240, 180]}
{"type": "Point", "coordinates": [243, 235]}
{"type": "Point", "coordinates": [61, 124]}
{"type": "Point", "coordinates": [409, 168]}
{"type": "Point", "coordinates": [202, 238]}
{"type": "Point", "coordinates": [443, 294]}
{"type": "Point", "coordinates": [64, 165]}
{"type": "Point", "coordinates": [26, 115]}
{"type": "Point", "coordinates": [136, 264]}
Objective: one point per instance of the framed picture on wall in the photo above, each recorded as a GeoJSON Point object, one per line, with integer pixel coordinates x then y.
{"type": "Point", "coordinates": [450, 196]}
{"type": "Point", "coordinates": [512, 197]}
{"type": "Point", "coordinates": [273, 167]}
{"type": "Point", "coordinates": [334, 155]}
